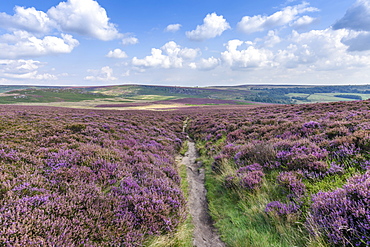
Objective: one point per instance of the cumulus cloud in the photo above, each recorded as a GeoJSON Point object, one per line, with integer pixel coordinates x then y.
{"type": "Point", "coordinates": [130, 41]}
{"type": "Point", "coordinates": [316, 50]}
{"type": "Point", "coordinates": [257, 23]}
{"type": "Point", "coordinates": [23, 69]}
{"type": "Point", "coordinates": [321, 50]}
{"type": "Point", "coordinates": [173, 28]}
{"type": "Point", "coordinates": [22, 44]}
{"type": "Point", "coordinates": [213, 25]}
{"type": "Point", "coordinates": [206, 64]}
{"type": "Point", "coordinates": [360, 43]}
{"type": "Point", "coordinates": [356, 18]}
{"type": "Point", "coordinates": [84, 17]}
{"type": "Point", "coordinates": [303, 21]}
{"type": "Point", "coordinates": [104, 74]}
{"type": "Point", "coordinates": [116, 53]}
{"type": "Point", "coordinates": [171, 55]}
{"type": "Point", "coordinates": [251, 57]}
{"type": "Point", "coordinates": [271, 39]}
{"type": "Point", "coordinates": [29, 19]}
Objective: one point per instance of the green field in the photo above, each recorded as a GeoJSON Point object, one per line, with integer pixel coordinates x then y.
{"type": "Point", "coordinates": [324, 97]}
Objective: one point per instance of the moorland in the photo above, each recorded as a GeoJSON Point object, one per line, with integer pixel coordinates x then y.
{"type": "Point", "coordinates": [100, 166]}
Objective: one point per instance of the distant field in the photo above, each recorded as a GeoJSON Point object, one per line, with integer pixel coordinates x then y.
{"type": "Point", "coordinates": [325, 97]}
{"type": "Point", "coordinates": [145, 96]}
{"type": "Point", "coordinates": [47, 96]}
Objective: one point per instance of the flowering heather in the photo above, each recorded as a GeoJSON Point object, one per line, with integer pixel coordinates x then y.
{"type": "Point", "coordinates": [249, 177]}
{"type": "Point", "coordinates": [283, 210]}
{"type": "Point", "coordinates": [292, 183]}
{"type": "Point", "coordinates": [255, 152]}
{"type": "Point", "coordinates": [301, 154]}
{"type": "Point", "coordinates": [81, 178]}
{"type": "Point", "coordinates": [344, 214]}
{"type": "Point", "coordinates": [311, 125]}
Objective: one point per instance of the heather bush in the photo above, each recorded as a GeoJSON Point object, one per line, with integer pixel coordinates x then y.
{"type": "Point", "coordinates": [292, 183]}
{"type": "Point", "coordinates": [249, 177]}
{"type": "Point", "coordinates": [343, 215]}
{"type": "Point", "coordinates": [301, 154]}
{"type": "Point", "coordinates": [251, 180]}
{"type": "Point", "coordinates": [255, 152]}
{"type": "Point", "coordinates": [283, 211]}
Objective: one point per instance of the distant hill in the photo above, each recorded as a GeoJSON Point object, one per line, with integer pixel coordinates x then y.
{"type": "Point", "coordinates": [134, 94]}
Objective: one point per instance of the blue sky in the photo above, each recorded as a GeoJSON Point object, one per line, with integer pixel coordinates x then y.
{"type": "Point", "coordinates": [184, 42]}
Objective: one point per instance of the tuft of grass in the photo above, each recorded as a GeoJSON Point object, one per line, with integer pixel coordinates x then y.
{"type": "Point", "coordinates": [332, 182]}
{"type": "Point", "coordinates": [184, 149]}
{"type": "Point", "coordinates": [183, 237]}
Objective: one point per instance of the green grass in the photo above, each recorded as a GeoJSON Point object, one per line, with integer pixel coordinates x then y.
{"type": "Point", "coordinates": [183, 237]}
{"type": "Point", "coordinates": [325, 97]}
{"type": "Point", "coordinates": [184, 149]}
{"type": "Point", "coordinates": [332, 182]}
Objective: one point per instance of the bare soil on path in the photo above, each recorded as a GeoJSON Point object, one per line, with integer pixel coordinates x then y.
{"type": "Point", "coordinates": [205, 235]}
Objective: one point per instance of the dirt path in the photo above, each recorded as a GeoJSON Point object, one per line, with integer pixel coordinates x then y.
{"type": "Point", "coordinates": [205, 234]}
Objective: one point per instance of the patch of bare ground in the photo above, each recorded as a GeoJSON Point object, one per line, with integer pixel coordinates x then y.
{"type": "Point", "coordinates": [205, 235]}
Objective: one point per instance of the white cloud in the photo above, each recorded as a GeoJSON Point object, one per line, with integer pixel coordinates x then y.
{"type": "Point", "coordinates": [213, 25]}
{"type": "Point", "coordinates": [117, 53]}
{"type": "Point", "coordinates": [84, 17]}
{"type": "Point", "coordinates": [259, 23]}
{"type": "Point", "coordinates": [316, 50]}
{"type": "Point", "coordinates": [23, 69]}
{"type": "Point", "coordinates": [271, 39]}
{"type": "Point", "coordinates": [171, 55]}
{"type": "Point", "coordinates": [173, 28]}
{"type": "Point", "coordinates": [250, 57]}
{"type": "Point", "coordinates": [33, 76]}
{"type": "Point", "coordinates": [29, 19]}
{"type": "Point", "coordinates": [356, 18]}
{"type": "Point", "coordinates": [321, 50]}
{"type": "Point", "coordinates": [130, 41]}
{"type": "Point", "coordinates": [206, 64]}
{"type": "Point", "coordinates": [104, 74]}
{"type": "Point", "coordinates": [303, 21]}
{"type": "Point", "coordinates": [22, 44]}
{"type": "Point", "coordinates": [157, 59]}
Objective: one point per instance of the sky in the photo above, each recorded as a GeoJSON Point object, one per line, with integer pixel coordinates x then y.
{"type": "Point", "coordinates": [184, 42]}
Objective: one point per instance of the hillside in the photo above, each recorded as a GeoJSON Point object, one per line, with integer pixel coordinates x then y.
{"type": "Point", "coordinates": [143, 95]}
